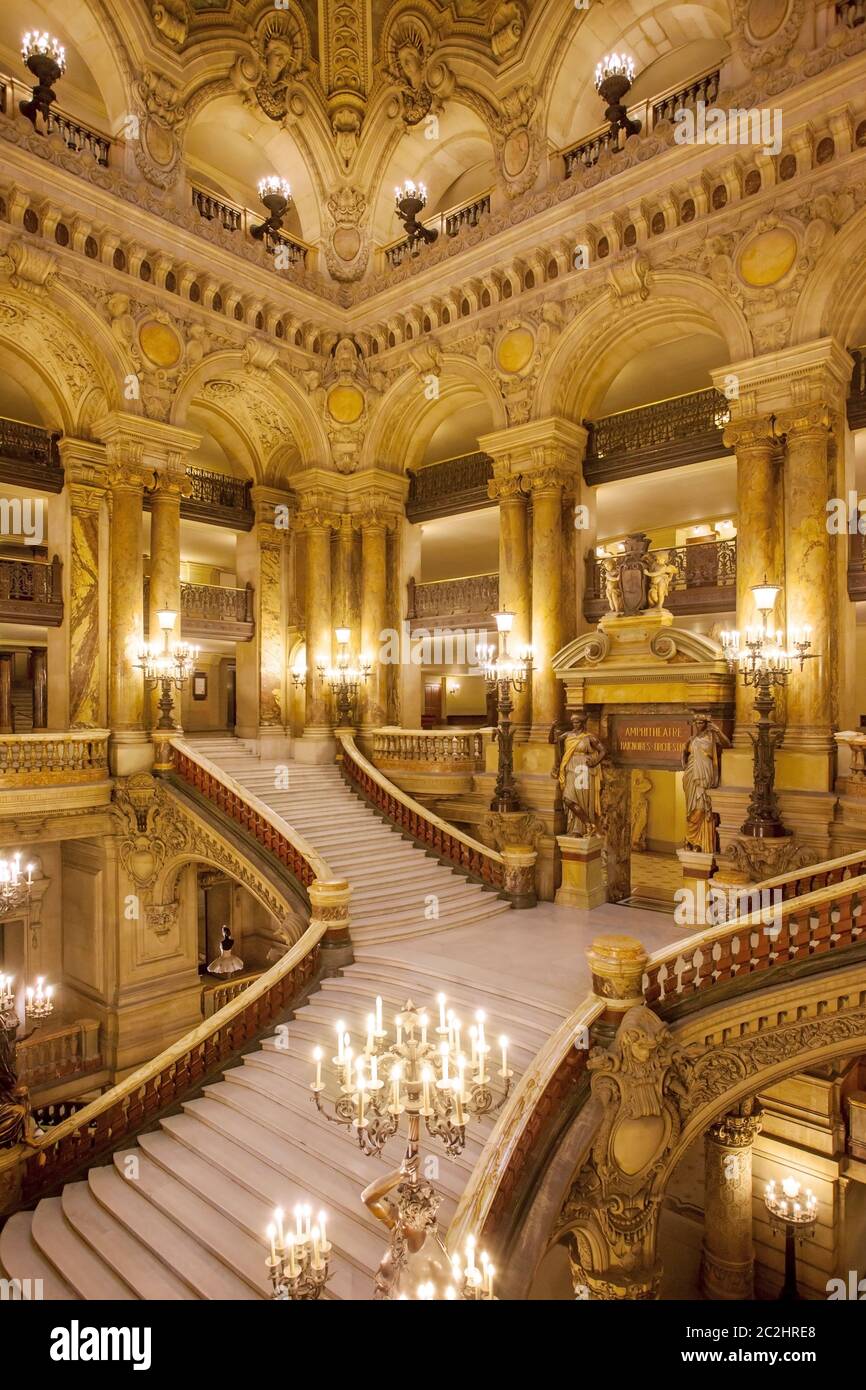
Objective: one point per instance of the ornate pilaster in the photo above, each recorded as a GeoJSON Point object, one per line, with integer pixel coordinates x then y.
{"type": "Point", "coordinates": [82, 663]}
{"type": "Point", "coordinates": [727, 1258]}
{"type": "Point", "coordinates": [508, 490]}
{"type": "Point", "coordinates": [316, 522]}
{"type": "Point", "coordinates": [374, 521]}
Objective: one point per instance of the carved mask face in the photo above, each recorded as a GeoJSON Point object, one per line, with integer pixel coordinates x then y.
{"type": "Point", "coordinates": [410, 61]}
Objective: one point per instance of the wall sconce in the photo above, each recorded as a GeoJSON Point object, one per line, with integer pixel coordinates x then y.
{"type": "Point", "coordinates": [46, 59]}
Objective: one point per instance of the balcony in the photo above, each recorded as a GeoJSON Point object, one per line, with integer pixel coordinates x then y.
{"type": "Point", "coordinates": [216, 498]}
{"type": "Point", "coordinates": [212, 610]}
{"type": "Point", "coordinates": [39, 760]}
{"type": "Point", "coordinates": [669, 434]}
{"type": "Point", "coordinates": [705, 582]}
{"type": "Point", "coordinates": [29, 457]}
{"type": "Point", "coordinates": [234, 218]}
{"type": "Point", "coordinates": [447, 488]}
{"type": "Point", "coordinates": [80, 138]}
{"type": "Point", "coordinates": [52, 1056]}
{"type": "Point", "coordinates": [455, 603]}
{"type": "Point", "coordinates": [586, 152]}
{"type": "Point", "coordinates": [30, 591]}
{"type": "Point", "coordinates": [448, 224]}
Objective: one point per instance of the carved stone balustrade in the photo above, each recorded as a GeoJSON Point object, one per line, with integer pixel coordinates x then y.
{"type": "Point", "coordinates": [215, 996]}
{"type": "Point", "coordinates": [855, 742]}
{"type": "Point", "coordinates": [447, 223]}
{"type": "Point", "coordinates": [451, 486]}
{"type": "Point", "coordinates": [212, 610]}
{"type": "Point", "coordinates": [53, 759]}
{"type": "Point", "coordinates": [448, 749]}
{"type": "Point", "coordinates": [705, 581]}
{"type": "Point", "coordinates": [51, 1056]}
{"type": "Point", "coordinates": [670, 434]}
{"type": "Point", "coordinates": [586, 152]}
{"type": "Point", "coordinates": [31, 592]}
{"type": "Point", "coordinates": [464, 603]}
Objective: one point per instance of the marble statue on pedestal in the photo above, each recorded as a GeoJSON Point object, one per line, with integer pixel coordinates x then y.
{"type": "Point", "coordinates": [701, 774]}
{"type": "Point", "coordinates": [577, 769]}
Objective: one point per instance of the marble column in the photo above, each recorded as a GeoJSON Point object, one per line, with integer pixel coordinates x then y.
{"type": "Point", "coordinates": [374, 525]}
{"type": "Point", "coordinates": [760, 548]}
{"type": "Point", "coordinates": [170, 486]}
{"type": "Point", "coordinates": [547, 636]}
{"type": "Point", "coordinates": [809, 578]}
{"type": "Point", "coordinates": [316, 525]}
{"type": "Point", "coordinates": [128, 479]}
{"type": "Point", "coordinates": [727, 1257]}
{"type": "Point", "coordinates": [77, 653]}
{"type": "Point", "coordinates": [6, 659]}
{"type": "Point", "coordinates": [514, 572]}
{"type": "Point", "coordinates": [39, 665]}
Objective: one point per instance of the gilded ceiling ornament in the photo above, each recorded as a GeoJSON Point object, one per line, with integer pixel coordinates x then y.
{"type": "Point", "coordinates": [171, 18]}
{"type": "Point", "coordinates": [765, 31]}
{"type": "Point", "coordinates": [347, 249]}
{"type": "Point", "coordinates": [347, 70]}
{"type": "Point", "coordinates": [517, 138]}
{"type": "Point", "coordinates": [276, 65]}
{"type": "Point", "coordinates": [163, 116]}
{"type": "Point", "coordinates": [505, 27]}
{"type": "Point", "coordinates": [343, 391]}
{"type": "Point", "coordinates": [424, 82]}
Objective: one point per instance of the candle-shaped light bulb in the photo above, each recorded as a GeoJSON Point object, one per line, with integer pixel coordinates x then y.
{"type": "Point", "coordinates": [279, 1217]}
{"type": "Point", "coordinates": [443, 1053]}
{"type": "Point", "coordinates": [341, 1040]}
{"type": "Point", "coordinates": [423, 1020]}
{"type": "Point", "coordinates": [440, 1000]}
{"type": "Point", "coordinates": [371, 1028]}
{"type": "Point", "coordinates": [323, 1227]}
{"type": "Point", "coordinates": [503, 1047]}
{"type": "Point", "coordinates": [379, 1028]}
{"type": "Point", "coordinates": [317, 1058]}
{"type": "Point", "coordinates": [272, 1235]}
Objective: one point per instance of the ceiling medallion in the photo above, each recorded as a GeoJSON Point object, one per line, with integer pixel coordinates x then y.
{"type": "Point", "coordinates": [767, 258]}
{"type": "Point", "coordinates": [160, 344]}
{"type": "Point", "coordinates": [514, 350]}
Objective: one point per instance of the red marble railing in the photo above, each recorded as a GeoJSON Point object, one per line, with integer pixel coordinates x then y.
{"type": "Point", "coordinates": [445, 841]}
{"type": "Point", "coordinates": [785, 930]}
{"type": "Point", "coordinates": [799, 881]}
{"type": "Point", "coordinates": [250, 814]}
{"type": "Point", "coordinates": [122, 1111]}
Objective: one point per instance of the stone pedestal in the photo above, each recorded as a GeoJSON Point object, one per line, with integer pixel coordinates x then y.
{"type": "Point", "coordinates": [617, 964]}
{"type": "Point", "coordinates": [582, 871]}
{"type": "Point", "coordinates": [329, 901]}
{"type": "Point", "coordinates": [520, 874]}
{"type": "Point", "coordinates": [698, 869]}
{"type": "Point", "coordinates": [727, 1258]}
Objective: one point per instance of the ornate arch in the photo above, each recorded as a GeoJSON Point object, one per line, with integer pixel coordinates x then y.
{"type": "Point", "coordinates": [643, 309]}
{"type": "Point", "coordinates": [834, 296]}
{"type": "Point", "coordinates": [407, 415]}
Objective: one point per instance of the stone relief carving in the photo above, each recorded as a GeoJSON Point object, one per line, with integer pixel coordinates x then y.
{"type": "Point", "coordinates": [163, 116]}
{"type": "Point", "coordinates": [272, 73]}
{"type": "Point", "coordinates": [423, 81]}
{"type": "Point", "coordinates": [343, 391]}
{"type": "Point", "coordinates": [347, 248]}
{"type": "Point", "coordinates": [517, 139]}
{"type": "Point", "coordinates": [171, 18]}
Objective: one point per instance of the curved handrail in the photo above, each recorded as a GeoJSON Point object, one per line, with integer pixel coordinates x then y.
{"type": "Point", "coordinates": [72, 1139]}
{"type": "Point", "coordinates": [827, 867]}
{"type": "Point", "coordinates": [503, 1158]}
{"type": "Point", "coordinates": [230, 796]}
{"type": "Point", "coordinates": [422, 823]}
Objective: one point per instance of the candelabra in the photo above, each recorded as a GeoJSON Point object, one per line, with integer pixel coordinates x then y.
{"type": "Point", "coordinates": [411, 200]}
{"type": "Point", "coordinates": [168, 668]}
{"type": "Point", "coordinates": [421, 1073]}
{"type": "Point", "coordinates": [765, 665]}
{"type": "Point", "coordinates": [276, 195]}
{"type": "Point", "coordinates": [298, 1263]}
{"type": "Point", "coordinates": [344, 679]}
{"type": "Point", "coordinates": [504, 675]}
{"type": "Point", "coordinates": [613, 78]}
{"type": "Point", "coordinates": [15, 887]}
{"type": "Point", "coordinates": [39, 1001]}
{"type": "Point", "coordinates": [46, 59]}
{"type": "Point", "coordinates": [795, 1215]}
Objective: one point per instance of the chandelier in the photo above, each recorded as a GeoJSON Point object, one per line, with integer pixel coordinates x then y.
{"type": "Point", "coordinates": [276, 194]}
{"type": "Point", "coordinates": [765, 665]}
{"type": "Point", "coordinates": [410, 200]}
{"type": "Point", "coordinates": [425, 1073]}
{"type": "Point", "coordinates": [503, 675]}
{"type": "Point", "coordinates": [15, 887]}
{"type": "Point", "coordinates": [298, 1263]}
{"type": "Point", "coordinates": [794, 1214]}
{"type": "Point", "coordinates": [613, 78]}
{"type": "Point", "coordinates": [344, 678]}
{"type": "Point", "coordinates": [39, 1001]}
{"type": "Point", "coordinates": [46, 59]}
{"type": "Point", "coordinates": [168, 667]}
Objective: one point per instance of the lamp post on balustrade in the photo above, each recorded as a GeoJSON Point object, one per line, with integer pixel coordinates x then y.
{"type": "Point", "coordinates": [503, 675]}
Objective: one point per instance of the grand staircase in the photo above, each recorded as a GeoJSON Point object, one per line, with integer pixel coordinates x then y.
{"type": "Point", "coordinates": [182, 1214]}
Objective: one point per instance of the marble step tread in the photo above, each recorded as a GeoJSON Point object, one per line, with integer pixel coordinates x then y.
{"type": "Point", "coordinates": [228, 1256]}
{"type": "Point", "coordinates": [437, 972]}
{"type": "Point", "coordinates": [248, 1191]}
{"type": "Point", "coordinates": [147, 1276]}
{"type": "Point", "coordinates": [73, 1258]}
{"type": "Point", "coordinates": [21, 1258]}
{"type": "Point", "coordinates": [463, 992]}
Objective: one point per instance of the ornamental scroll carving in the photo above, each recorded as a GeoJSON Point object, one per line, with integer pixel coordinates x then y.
{"type": "Point", "coordinates": [272, 72]}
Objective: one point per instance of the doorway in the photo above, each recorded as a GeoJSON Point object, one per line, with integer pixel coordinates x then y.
{"type": "Point", "coordinates": [657, 828]}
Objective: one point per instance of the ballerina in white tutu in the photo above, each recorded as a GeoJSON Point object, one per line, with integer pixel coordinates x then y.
{"type": "Point", "coordinates": [226, 962]}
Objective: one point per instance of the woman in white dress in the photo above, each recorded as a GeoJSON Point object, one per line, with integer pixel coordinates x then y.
{"type": "Point", "coordinates": [226, 962]}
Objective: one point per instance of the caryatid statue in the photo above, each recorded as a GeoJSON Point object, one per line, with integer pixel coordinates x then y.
{"type": "Point", "coordinates": [701, 774]}
{"type": "Point", "coordinates": [577, 769]}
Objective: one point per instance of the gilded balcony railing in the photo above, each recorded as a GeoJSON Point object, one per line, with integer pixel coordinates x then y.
{"type": "Point", "coordinates": [668, 434]}
{"type": "Point", "coordinates": [31, 590]}
{"type": "Point", "coordinates": [477, 595]}
{"type": "Point", "coordinates": [53, 759]}
{"type": "Point", "coordinates": [213, 610]}
{"type": "Point", "coordinates": [705, 579]}
{"type": "Point", "coordinates": [450, 486]}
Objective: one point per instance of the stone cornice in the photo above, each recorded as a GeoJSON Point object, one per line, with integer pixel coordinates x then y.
{"type": "Point", "coordinates": [816, 371]}
{"type": "Point", "coordinates": [158, 445]}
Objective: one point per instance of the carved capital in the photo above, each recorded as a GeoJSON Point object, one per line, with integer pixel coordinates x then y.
{"type": "Point", "coordinates": [747, 434]}
{"type": "Point", "coordinates": [811, 420]}
{"type": "Point", "coordinates": [739, 1128]}
{"type": "Point", "coordinates": [508, 488]}
{"type": "Point", "coordinates": [316, 519]}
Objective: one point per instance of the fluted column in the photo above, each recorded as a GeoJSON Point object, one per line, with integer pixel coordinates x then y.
{"type": "Point", "coordinates": [514, 575]}
{"type": "Point", "coordinates": [810, 578]}
{"type": "Point", "coordinates": [760, 550]}
{"type": "Point", "coordinates": [728, 1256]}
{"type": "Point", "coordinates": [164, 591]}
{"type": "Point", "coordinates": [374, 524]}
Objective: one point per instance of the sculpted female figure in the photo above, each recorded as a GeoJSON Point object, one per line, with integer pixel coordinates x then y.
{"type": "Point", "coordinates": [701, 773]}
{"type": "Point", "coordinates": [579, 756]}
